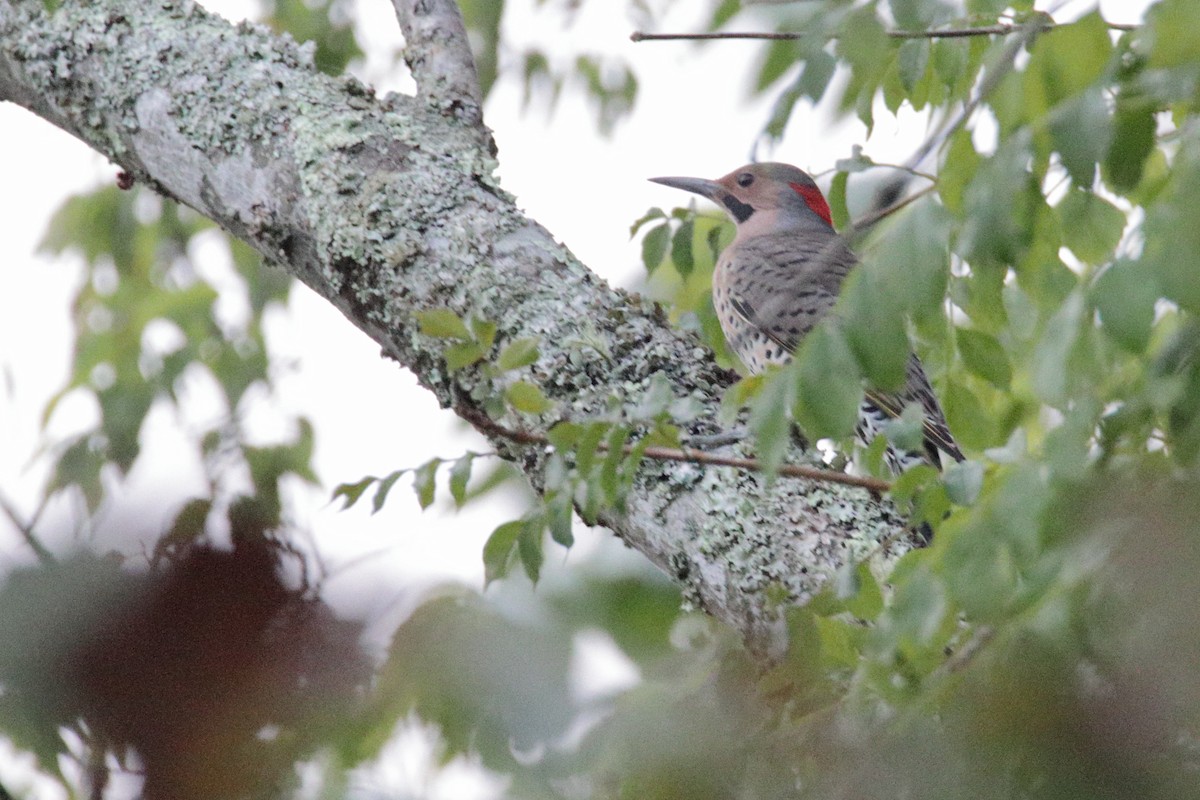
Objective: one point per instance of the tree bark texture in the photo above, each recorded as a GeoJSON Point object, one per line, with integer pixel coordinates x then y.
{"type": "Point", "coordinates": [388, 207]}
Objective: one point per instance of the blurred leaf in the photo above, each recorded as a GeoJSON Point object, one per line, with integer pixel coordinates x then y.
{"type": "Point", "coordinates": [829, 390]}
{"type": "Point", "coordinates": [482, 18]}
{"type": "Point", "coordinates": [385, 488]}
{"type": "Point", "coordinates": [460, 474]}
{"type": "Point", "coordinates": [1091, 226]}
{"type": "Point", "coordinates": [984, 356]}
{"type": "Point", "coordinates": [681, 248]}
{"type": "Point", "coordinates": [654, 246]}
{"type": "Point", "coordinates": [771, 417]}
{"type": "Point", "coordinates": [1082, 132]}
{"type": "Point", "coordinates": [518, 353]}
{"type": "Point", "coordinates": [1073, 58]}
{"type": "Point", "coordinates": [500, 550]}
{"type": "Point", "coordinates": [443, 324]}
{"type": "Point", "coordinates": [1131, 144]}
{"type": "Point", "coordinates": [529, 546]}
{"type": "Point", "coordinates": [425, 482]}
{"type": "Point", "coordinates": [463, 355]}
{"type": "Point", "coordinates": [527, 398]}
{"type": "Point", "coordinates": [1125, 296]}
{"type": "Point", "coordinates": [964, 481]}
{"type": "Point", "coordinates": [1172, 237]}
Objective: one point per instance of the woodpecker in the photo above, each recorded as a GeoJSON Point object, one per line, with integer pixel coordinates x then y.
{"type": "Point", "coordinates": [781, 275]}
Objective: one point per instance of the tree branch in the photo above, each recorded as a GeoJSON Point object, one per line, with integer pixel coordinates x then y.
{"type": "Point", "coordinates": [388, 208]}
{"type": "Point", "coordinates": [25, 528]}
{"type": "Point", "coordinates": [438, 52]}
{"type": "Point", "coordinates": [689, 455]}
{"type": "Point", "coordinates": [1000, 29]}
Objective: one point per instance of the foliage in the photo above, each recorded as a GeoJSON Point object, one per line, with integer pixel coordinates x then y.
{"type": "Point", "coordinates": [1042, 646]}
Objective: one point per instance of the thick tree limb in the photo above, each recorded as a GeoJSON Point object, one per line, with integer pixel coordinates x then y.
{"type": "Point", "coordinates": [389, 207]}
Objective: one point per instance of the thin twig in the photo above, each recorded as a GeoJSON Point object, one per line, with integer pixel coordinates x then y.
{"type": "Point", "coordinates": [25, 527]}
{"type": "Point", "coordinates": [867, 220]}
{"type": "Point", "coordinates": [1000, 29]}
{"type": "Point", "coordinates": [686, 455]}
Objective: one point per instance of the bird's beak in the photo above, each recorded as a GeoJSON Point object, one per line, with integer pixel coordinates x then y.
{"type": "Point", "coordinates": [705, 188]}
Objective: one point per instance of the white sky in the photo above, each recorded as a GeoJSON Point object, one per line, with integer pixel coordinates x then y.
{"type": "Point", "coordinates": [691, 119]}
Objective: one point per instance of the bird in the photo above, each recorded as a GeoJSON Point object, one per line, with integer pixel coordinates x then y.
{"type": "Point", "coordinates": [781, 275]}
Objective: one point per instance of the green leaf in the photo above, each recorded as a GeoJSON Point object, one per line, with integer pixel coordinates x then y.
{"type": "Point", "coordinates": [957, 170]}
{"type": "Point", "coordinates": [1091, 226]}
{"type": "Point", "coordinates": [650, 215]}
{"type": "Point", "coordinates": [1052, 367]}
{"type": "Point", "coordinates": [875, 328]}
{"type": "Point", "coordinates": [654, 246]}
{"type": "Point", "coordinates": [484, 332]}
{"type": "Point", "coordinates": [564, 435]}
{"type": "Point", "coordinates": [558, 519]}
{"type": "Point", "coordinates": [189, 525]}
{"type": "Point", "coordinates": [771, 418]}
{"type": "Point", "coordinates": [1172, 236]}
{"type": "Point", "coordinates": [837, 200]}
{"type": "Point", "coordinates": [829, 390]}
{"type": "Point", "coordinates": [443, 324]}
{"type": "Point", "coordinates": [963, 481]}
{"type": "Point", "coordinates": [973, 425]}
{"type": "Point", "coordinates": [613, 457]}
{"type": "Point", "coordinates": [1173, 34]}
{"type": "Point", "coordinates": [385, 487]}
{"type": "Point", "coordinates": [859, 590]}
{"type": "Point", "coordinates": [1125, 296]}
{"type": "Point", "coordinates": [500, 550]}
{"type": "Point", "coordinates": [460, 475]}
{"type": "Point", "coordinates": [681, 248]}
{"type": "Point", "coordinates": [527, 398]}
{"type": "Point", "coordinates": [781, 54]}
{"type": "Point", "coordinates": [529, 546]}
{"type": "Point", "coordinates": [463, 355]}
{"type": "Point", "coordinates": [424, 482]}
{"type": "Point", "coordinates": [984, 356]}
{"type": "Point", "coordinates": [518, 353]}
{"type": "Point", "coordinates": [1070, 59]}
{"type": "Point", "coordinates": [1082, 131]}
{"type": "Point", "coordinates": [1132, 143]}
{"type": "Point", "coordinates": [911, 62]}
{"type": "Point", "coordinates": [351, 492]}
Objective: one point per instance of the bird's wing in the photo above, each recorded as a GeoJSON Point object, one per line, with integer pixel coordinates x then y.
{"type": "Point", "coordinates": [918, 389]}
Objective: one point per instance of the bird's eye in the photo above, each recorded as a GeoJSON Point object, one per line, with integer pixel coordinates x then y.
{"type": "Point", "coordinates": [745, 179]}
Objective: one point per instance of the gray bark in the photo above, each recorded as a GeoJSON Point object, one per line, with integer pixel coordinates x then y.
{"type": "Point", "coordinates": [389, 206]}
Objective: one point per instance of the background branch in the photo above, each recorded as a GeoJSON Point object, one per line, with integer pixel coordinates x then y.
{"type": "Point", "coordinates": [1000, 29]}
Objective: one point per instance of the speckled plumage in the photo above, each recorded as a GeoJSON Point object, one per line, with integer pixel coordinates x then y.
{"type": "Point", "coordinates": [782, 274]}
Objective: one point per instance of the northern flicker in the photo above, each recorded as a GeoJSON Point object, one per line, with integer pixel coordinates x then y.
{"type": "Point", "coordinates": [781, 275]}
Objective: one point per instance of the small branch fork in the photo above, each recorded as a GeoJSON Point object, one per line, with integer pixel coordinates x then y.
{"type": "Point", "coordinates": [685, 454]}
{"type": "Point", "coordinates": [1002, 29]}
{"type": "Point", "coordinates": [438, 52]}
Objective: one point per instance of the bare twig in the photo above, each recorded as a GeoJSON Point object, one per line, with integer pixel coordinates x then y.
{"type": "Point", "coordinates": [438, 52]}
{"type": "Point", "coordinates": [25, 528]}
{"type": "Point", "coordinates": [1001, 29]}
{"type": "Point", "coordinates": [687, 455]}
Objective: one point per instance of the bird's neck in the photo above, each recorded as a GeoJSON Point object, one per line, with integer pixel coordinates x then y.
{"type": "Point", "coordinates": [773, 221]}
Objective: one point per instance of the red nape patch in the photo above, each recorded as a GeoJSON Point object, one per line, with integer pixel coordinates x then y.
{"type": "Point", "coordinates": [815, 200]}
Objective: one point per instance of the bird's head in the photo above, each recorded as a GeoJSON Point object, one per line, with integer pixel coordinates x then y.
{"type": "Point", "coordinates": [784, 193]}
